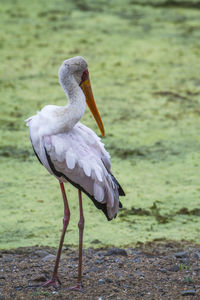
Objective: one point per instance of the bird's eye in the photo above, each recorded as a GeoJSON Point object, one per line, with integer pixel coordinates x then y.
{"type": "Point", "coordinates": [84, 76]}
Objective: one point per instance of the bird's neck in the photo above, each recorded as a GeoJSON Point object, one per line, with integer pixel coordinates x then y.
{"type": "Point", "coordinates": [75, 108]}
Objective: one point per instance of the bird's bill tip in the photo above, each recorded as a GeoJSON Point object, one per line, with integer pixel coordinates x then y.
{"type": "Point", "coordinates": [87, 90]}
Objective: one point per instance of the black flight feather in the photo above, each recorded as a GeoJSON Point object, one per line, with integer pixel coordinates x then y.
{"type": "Point", "coordinates": [98, 205]}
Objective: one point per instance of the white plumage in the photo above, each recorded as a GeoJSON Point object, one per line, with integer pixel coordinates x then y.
{"type": "Point", "coordinates": [74, 149]}
{"type": "Point", "coordinates": [80, 156]}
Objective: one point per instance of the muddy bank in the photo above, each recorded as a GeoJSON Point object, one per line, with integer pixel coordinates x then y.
{"type": "Point", "coordinates": [165, 270]}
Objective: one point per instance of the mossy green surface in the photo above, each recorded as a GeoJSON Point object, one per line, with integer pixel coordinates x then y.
{"type": "Point", "coordinates": [145, 71]}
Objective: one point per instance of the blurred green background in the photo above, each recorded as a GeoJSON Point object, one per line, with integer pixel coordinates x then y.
{"type": "Point", "coordinates": [145, 71]}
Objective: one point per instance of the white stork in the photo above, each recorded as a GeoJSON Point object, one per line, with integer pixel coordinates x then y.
{"type": "Point", "coordinates": [74, 153]}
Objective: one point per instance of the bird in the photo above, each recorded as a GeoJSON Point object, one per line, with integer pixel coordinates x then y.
{"type": "Point", "coordinates": [74, 153]}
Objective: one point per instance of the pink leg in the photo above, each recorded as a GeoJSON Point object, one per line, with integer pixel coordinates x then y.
{"type": "Point", "coordinates": [54, 281]}
{"type": "Point", "coordinates": [79, 286]}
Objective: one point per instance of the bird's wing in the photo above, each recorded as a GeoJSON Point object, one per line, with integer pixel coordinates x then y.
{"type": "Point", "coordinates": [79, 157]}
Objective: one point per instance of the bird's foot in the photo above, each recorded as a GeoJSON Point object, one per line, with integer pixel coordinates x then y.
{"type": "Point", "coordinates": [78, 287]}
{"type": "Point", "coordinates": [55, 282]}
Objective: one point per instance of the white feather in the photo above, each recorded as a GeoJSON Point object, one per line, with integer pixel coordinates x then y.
{"type": "Point", "coordinates": [86, 167]}
{"type": "Point", "coordinates": [98, 174]}
{"type": "Point", "coordinates": [70, 159]}
{"type": "Point", "coordinates": [59, 148]}
{"type": "Point", "coordinates": [47, 143]}
{"type": "Point", "coordinates": [98, 192]}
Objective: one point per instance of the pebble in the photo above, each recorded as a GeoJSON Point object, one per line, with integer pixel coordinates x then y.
{"type": "Point", "coordinates": [116, 251]}
{"type": "Point", "coordinates": [163, 270]}
{"type": "Point", "coordinates": [41, 253]}
{"type": "Point", "coordinates": [185, 260]}
{"type": "Point", "coordinates": [49, 257]}
{"type": "Point", "coordinates": [18, 288]}
{"type": "Point", "coordinates": [108, 280]}
{"type": "Point", "coordinates": [139, 273]}
{"type": "Point", "coordinates": [197, 254]}
{"type": "Point", "coordinates": [137, 259]}
{"type": "Point", "coordinates": [181, 254]}
{"type": "Point", "coordinates": [126, 286]}
{"type": "Point", "coordinates": [188, 293]}
{"type": "Point", "coordinates": [120, 265]}
{"type": "Point", "coordinates": [98, 261]}
{"type": "Point", "coordinates": [93, 269]}
{"type": "Point", "coordinates": [40, 277]}
{"type": "Point", "coordinates": [174, 268]}
{"type": "Point", "coordinates": [101, 281]}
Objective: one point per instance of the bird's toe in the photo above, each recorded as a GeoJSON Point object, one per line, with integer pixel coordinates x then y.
{"type": "Point", "coordinates": [55, 282]}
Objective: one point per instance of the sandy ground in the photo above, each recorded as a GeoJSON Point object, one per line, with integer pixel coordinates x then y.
{"type": "Point", "coordinates": [166, 270]}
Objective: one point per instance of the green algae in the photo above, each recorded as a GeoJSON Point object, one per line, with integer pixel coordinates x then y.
{"type": "Point", "coordinates": [144, 67]}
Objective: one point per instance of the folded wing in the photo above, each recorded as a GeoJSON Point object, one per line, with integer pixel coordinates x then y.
{"type": "Point", "coordinates": [80, 158]}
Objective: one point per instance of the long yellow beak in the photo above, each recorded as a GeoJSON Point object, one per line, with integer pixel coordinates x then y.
{"type": "Point", "coordinates": [87, 90]}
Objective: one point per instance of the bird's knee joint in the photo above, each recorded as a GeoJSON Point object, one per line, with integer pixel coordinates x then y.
{"type": "Point", "coordinates": [66, 220]}
{"type": "Point", "coordinates": [81, 223]}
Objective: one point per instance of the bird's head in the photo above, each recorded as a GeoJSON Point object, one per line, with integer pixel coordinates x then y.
{"type": "Point", "coordinates": [78, 68]}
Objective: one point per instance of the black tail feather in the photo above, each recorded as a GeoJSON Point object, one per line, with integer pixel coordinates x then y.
{"type": "Point", "coordinates": [98, 205]}
{"type": "Point", "coordinates": [120, 190]}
